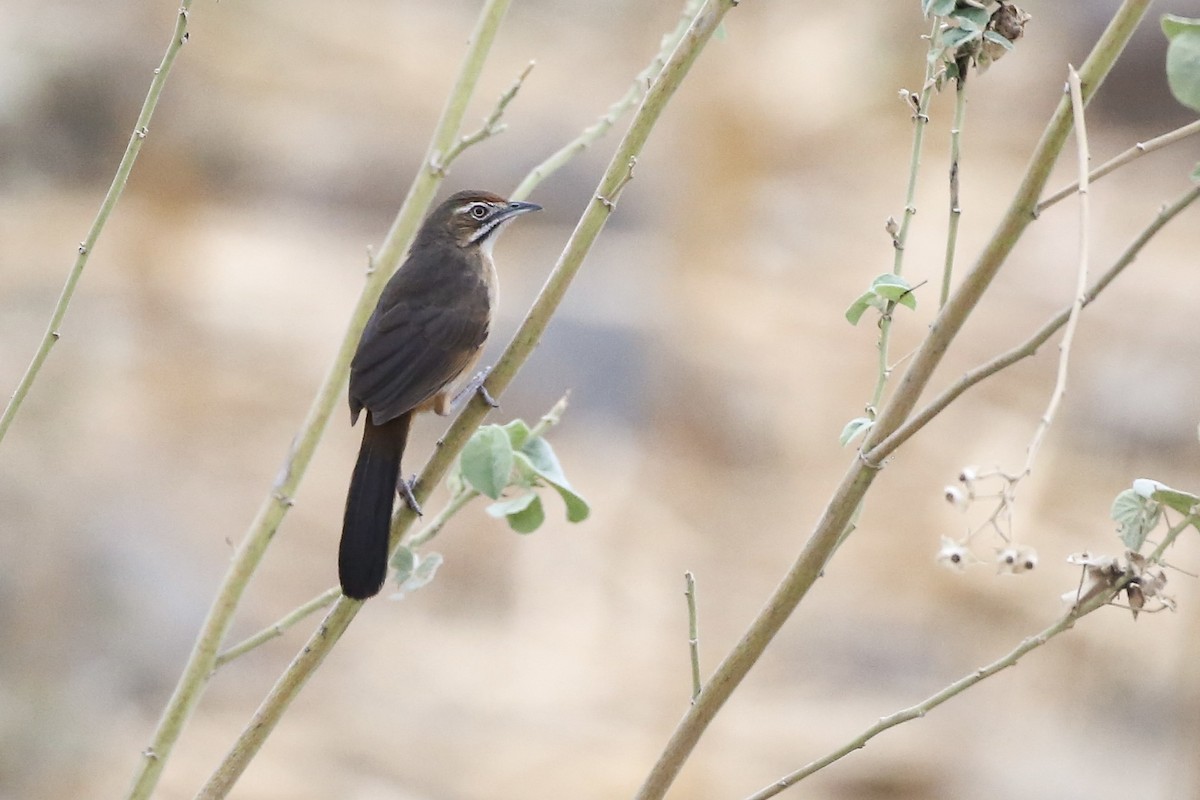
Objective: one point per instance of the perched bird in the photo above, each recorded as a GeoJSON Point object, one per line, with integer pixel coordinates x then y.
{"type": "Point", "coordinates": [428, 329]}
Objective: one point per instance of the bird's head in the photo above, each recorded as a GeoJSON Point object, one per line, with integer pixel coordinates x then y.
{"type": "Point", "coordinates": [473, 218]}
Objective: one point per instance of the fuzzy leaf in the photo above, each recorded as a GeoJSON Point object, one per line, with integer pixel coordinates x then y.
{"type": "Point", "coordinates": [518, 433]}
{"type": "Point", "coordinates": [859, 307]}
{"type": "Point", "coordinates": [1183, 59]}
{"type": "Point", "coordinates": [487, 461]}
{"type": "Point", "coordinates": [854, 428]}
{"type": "Point", "coordinates": [542, 456]}
{"type": "Point", "coordinates": [895, 289]}
{"type": "Point", "coordinates": [939, 8]}
{"type": "Point", "coordinates": [419, 571]}
{"type": "Point", "coordinates": [523, 512]}
{"type": "Point", "coordinates": [1136, 515]}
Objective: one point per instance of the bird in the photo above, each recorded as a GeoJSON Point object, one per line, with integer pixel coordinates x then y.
{"type": "Point", "coordinates": [428, 328]}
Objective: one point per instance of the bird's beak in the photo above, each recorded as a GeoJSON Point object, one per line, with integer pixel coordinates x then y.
{"type": "Point", "coordinates": [516, 208]}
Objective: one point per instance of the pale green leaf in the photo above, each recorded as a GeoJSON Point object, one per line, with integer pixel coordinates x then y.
{"type": "Point", "coordinates": [487, 460]}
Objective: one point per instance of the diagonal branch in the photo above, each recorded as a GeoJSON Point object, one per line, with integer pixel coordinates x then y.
{"type": "Point", "coordinates": [1031, 345]}
{"type": "Point", "coordinates": [587, 229]}
{"type": "Point", "coordinates": [254, 544]}
{"type": "Point", "coordinates": [858, 478]}
{"type": "Point", "coordinates": [141, 129]}
{"type": "Point", "coordinates": [1138, 150]}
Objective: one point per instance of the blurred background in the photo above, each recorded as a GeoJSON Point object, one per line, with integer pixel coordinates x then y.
{"type": "Point", "coordinates": [711, 372]}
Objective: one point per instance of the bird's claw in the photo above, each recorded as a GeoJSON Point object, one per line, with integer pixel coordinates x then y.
{"type": "Point", "coordinates": [404, 487]}
{"type": "Point", "coordinates": [475, 386]}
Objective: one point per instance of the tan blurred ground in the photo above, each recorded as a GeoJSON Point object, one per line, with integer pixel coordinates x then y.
{"type": "Point", "coordinates": [711, 369]}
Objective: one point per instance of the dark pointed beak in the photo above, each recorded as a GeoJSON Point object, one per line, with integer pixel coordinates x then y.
{"type": "Point", "coordinates": [516, 207]}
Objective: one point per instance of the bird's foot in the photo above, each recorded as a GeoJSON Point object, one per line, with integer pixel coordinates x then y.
{"type": "Point", "coordinates": [404, 487]}
{"type": "Point", "coordinates": [475, 386]}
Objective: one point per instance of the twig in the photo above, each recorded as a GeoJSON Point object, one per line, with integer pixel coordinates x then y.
{"type": "Point", "coordinates": [900, 239]}
{"type": "Point", "coordinates": [1031, 345]}
{"type": "Point", "coordinates": [1139, 149]}
{"type": "Point", "coordinates": [861, 473]}
{"type": "Point", "coordinates": [1065, 623]}
{"type": "Point", "coordinates": [141, 129]}
{"type": "Point", "coordinates": [588, 228]}
{"type": "Point", "coordinates": [277, 629]}
{"type": "Point", "coordinates": [1081, 273]}
{"type": "Point", "coordinates": [960, 116]}
{"type": "Point", "coordinates": [633, 96]}
{"type": "Point", "coordinates": [271, 512]}
{"type": "Point", "coordinates": [491, 126]}
{"type": "Point", "coordinates": [693, 632]}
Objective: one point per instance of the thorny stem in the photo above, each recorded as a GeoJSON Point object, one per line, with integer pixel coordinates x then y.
{"type": "Point", "coordinates": [309, 659]}
{"type": "Point", "coordinates": [141, 128]}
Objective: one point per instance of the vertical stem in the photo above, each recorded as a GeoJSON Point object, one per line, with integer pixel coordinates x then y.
{"type": "Point", "coordinates": [900, 241]}
{"type": "Point", "coordinates": [693, 632]}
{"type": "Point", "coordinates": [140, 129]}
{"type": "Point", "coordinates": [960, 115]}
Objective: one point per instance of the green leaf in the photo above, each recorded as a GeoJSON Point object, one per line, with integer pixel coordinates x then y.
{"type": "Point", "coordinates": [895, 289]}
{"type": "Point", "coordinates": [938, 8]}
{"type": "Point", "coordinates": [1182, 502]}
{"type": "Point", "coordinates": [855, 428]}
{"type": "Point", "coordinates": [487, 461]}
{"type": "Point", "coordinates": [420, 572]}
{"type": "Point", "coordinates": [404, 561]}
{"type": "Point", "coordinates": [859, 307]}
{"type": "Point", "coordinates": [541, 456]}
{"type": "Point", "coordinates": [993, 36]}
{"type": "Point", "coordinates": [1183, 58]}
{"type": "Point", "coordinates": [524, 513]}
{"type": "Point", "coordinates": [518, 433]}
{"type": "Point", "coordinates": [971, 18]}
{"type": "Point", "coordinates": [1136, 515]}
{"type": "Point", "coordinates": [1195, 176]}
{"type": "Point", "coordinates": [957, 37]}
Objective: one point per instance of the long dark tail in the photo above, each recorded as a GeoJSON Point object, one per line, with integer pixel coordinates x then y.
{"type": "Point", "coordinates": [362, 555]}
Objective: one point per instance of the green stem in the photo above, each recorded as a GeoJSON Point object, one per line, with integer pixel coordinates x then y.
{"type": "Point", "coordinates": [277, 629]}
{"type": "Point", "coordinates": [1138, 150]}
{"type": "Point", "coordinates": [633, 96]}
{"type": "Point", "coordinates": [858, 478]}
{"type": "Point", "coordinates": [254, 544]}
{"type": "Point", "coordinates": [588, 228]}
{"type": "Point", "coordinates": [140, 130]}
{"type": "Point", "coordinates": [900, 240]}
{"type": "Point", "coordinates": [689, 593]}
{"type": "Point", "coordinates": [960, 116]}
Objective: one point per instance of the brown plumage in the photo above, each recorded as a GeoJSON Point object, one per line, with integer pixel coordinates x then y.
{"type": "Point", "coordinates": [428, 329]}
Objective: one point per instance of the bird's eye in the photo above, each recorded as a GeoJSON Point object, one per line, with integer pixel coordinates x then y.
{"type": "Point", "coordinates": [479, 211]}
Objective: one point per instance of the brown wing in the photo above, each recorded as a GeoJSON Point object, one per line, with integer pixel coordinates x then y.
{"type": "Point", "coordinates": [420, 338]}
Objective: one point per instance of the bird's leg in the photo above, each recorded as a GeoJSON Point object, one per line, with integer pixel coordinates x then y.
{"type": "Point", "coordinates": [475, 385]}
{"type": "Point", "coordinates": [404, 488]}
